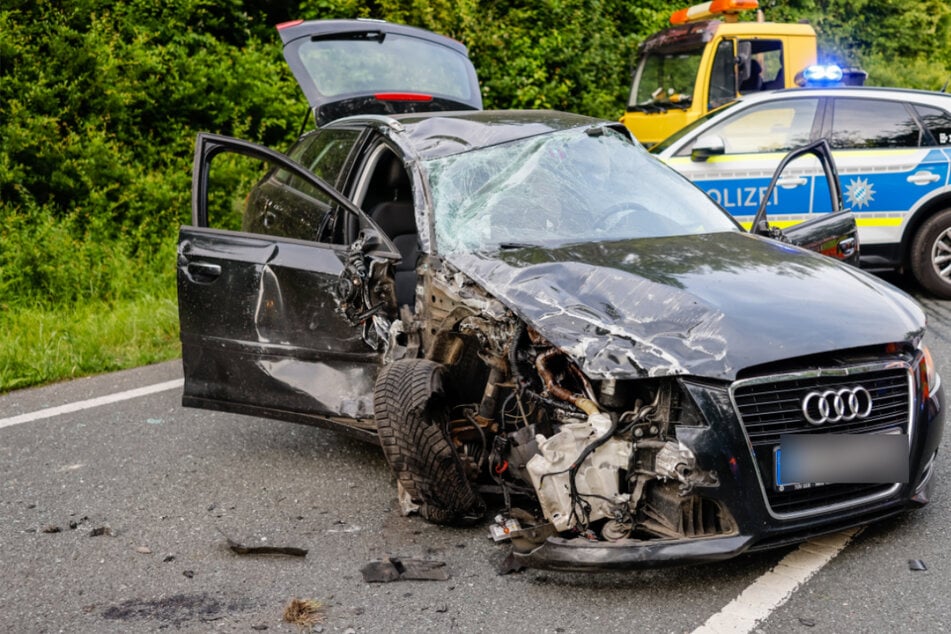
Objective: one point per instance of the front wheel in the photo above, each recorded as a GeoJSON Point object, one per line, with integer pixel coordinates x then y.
{"type": "Point", "coordinates": [409, 403]}
{"type": "Point", "coordinates": [930, 256]}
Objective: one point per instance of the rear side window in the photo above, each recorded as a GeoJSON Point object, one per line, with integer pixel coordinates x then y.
{"type": "Point", "coordinates": [937, 121]}
{"type": "Point", "coordinates": [325, 154]}
{"type": "Point", "coordinates": [873, 123]}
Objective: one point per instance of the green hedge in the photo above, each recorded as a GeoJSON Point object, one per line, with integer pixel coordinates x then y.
{"type": "Point", "coordinates": [100, 102]}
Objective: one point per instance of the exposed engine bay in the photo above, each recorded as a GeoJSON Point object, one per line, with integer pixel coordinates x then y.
{"type": "Point", "coordinates": [567, 455]}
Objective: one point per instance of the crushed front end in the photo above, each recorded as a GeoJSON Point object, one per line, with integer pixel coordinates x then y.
{"type": "Point", "coordinates": [676, 470]}
{"type": "Point", "coordinates": [612, 473]}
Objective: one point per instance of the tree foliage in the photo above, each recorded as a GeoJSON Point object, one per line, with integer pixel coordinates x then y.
{"type": "Point", "coordinates": [100, 101]}
{"type": "Point", "coordinates": [898, 43]}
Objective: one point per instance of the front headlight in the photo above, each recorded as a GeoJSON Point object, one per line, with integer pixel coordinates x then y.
{"type": "Point", "coordinates": [927, 372]}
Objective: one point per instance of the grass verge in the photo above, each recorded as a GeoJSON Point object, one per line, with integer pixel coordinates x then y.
{"type": "Point", "coordinates": [43, 345]}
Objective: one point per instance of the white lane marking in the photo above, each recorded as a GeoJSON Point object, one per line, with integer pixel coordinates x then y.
{"type": "Point", "coordinates": [93, 402]}
{"type": "Point", "coordinates": [776, 586]}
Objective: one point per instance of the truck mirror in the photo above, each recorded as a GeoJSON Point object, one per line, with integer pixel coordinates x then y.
{"type": "Point", "coordinates": [707, 146]}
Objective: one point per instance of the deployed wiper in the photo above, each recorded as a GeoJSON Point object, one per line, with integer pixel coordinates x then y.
{"type": "Point", "coordinates": [518, 245]}
{"type": "Point", "coordinates": [647, 107]}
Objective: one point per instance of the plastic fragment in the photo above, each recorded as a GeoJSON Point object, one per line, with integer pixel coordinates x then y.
{"type": "Point", "coordinates": [396, 569]}
{"type": "Point", "coordinates": [502, 528]}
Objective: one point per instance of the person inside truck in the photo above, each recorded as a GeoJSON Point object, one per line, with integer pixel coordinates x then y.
{"type": "Point", "coordinates": [755, 80]}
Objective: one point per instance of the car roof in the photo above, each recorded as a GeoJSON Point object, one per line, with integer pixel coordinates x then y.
{"type": "Point", "coordinates": [923, 96]}
{"type": "Point", "coordinates": [435, 135]}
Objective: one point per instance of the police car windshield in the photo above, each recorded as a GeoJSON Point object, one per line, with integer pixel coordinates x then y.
{"type": "Point", "coordinates": [567, 187]}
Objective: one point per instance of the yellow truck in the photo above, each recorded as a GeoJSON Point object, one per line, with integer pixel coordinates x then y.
{"type": "Point", "coordinates": [708, 57]}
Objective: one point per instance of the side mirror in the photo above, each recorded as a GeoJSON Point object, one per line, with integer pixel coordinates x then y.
{"type": "Point", "coordinates": [707, 146]}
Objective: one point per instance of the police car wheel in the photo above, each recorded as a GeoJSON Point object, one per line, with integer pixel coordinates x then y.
{"type": "Point", "coordinates": [931, 254]}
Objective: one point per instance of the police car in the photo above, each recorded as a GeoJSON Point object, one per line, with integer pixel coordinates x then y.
{"type": "Point", "coordinates": [892, 148]}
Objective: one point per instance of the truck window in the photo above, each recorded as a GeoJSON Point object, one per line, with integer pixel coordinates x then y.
{"type": "Point", "coordinates": [722, 77]}
{"type": "Point", "coordinates": [871, 123]}
{"type": "Point", "coordinates": [766, 56]}
{"type": "Point", "coordinates": [666, 77]}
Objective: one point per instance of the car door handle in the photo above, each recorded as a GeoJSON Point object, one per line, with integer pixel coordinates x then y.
{"type": "Point", "coordinates": [846, 247]}
{"type": "Point", "coordinates": [204, 271]}
{"type": "Point", "coordinates": [791, 181]}
{"type": "Point", "coordinates": [923, 177]}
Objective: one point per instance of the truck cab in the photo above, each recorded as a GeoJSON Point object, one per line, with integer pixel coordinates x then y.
{"type": "Point", "coordinates": [705, 60]}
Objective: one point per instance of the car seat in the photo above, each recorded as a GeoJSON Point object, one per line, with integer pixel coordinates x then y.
{"type": "Point", "coordinates": [397, 219]}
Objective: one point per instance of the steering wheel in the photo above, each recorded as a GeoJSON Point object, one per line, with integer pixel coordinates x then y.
{"type": "Point", "coordinates": [616, 213]}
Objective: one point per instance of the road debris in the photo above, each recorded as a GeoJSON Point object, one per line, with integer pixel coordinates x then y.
{"type": "Point", "coordinates": [145, 550]}
{"type": "Point", "coordinates": [241, 549]}
{"type": "Point", "coordinates": [396, 569]}
{"type": "Point", "coordinates": [102, 531]}
{"type": "Point", "coordinates": [50, 529]}
{"type": "Point", "coordinates": [509, 565]}
{"type": "Point", "coordinates": [304, 613]}
{"type": "Point", "coordinates": [916, 565]}
{"type": "Point", "coordinates": [74, 524]}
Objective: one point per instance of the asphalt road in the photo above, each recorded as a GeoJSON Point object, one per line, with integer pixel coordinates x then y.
{"type": "Point", "coordinates": [116, 519]}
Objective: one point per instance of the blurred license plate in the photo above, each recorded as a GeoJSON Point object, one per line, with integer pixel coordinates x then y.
{"type": "Point", "coordinates": [779, 484]}
{"type": "Point", "coordinates": [806, 460]}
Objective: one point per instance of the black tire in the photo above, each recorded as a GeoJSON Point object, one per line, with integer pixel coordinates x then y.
{"type": "Point", "coordinates": [411, 414]}
{"type": "Point", "coordinates": [930, 255]}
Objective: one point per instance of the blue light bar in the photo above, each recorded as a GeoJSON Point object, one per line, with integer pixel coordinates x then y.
{"type": "Point", "coordinates": [822, 74]}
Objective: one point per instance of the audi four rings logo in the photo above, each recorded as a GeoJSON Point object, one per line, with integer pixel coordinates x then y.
{"type": "Point", "coordinates": [833, 406]}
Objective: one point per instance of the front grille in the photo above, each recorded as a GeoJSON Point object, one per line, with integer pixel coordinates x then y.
{"type": "Point", "coordinates": [772, 406]}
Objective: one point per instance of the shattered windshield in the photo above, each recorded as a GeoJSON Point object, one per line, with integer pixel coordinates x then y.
{"type": "Point", "coordinates": [563, 188]}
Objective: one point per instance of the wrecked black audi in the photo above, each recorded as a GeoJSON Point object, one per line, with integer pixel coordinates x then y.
{"type": "Point", "coordinates": [531, 314]}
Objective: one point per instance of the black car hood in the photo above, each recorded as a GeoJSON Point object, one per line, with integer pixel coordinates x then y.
{"type": "Point", "coordinates": [707, 305]}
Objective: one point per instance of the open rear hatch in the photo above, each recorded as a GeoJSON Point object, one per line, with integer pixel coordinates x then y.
{"type": "Point", "coordinates": [350, 67]}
